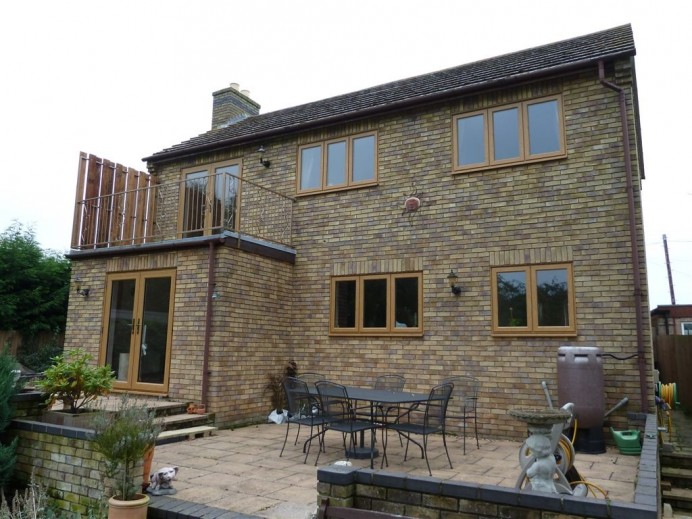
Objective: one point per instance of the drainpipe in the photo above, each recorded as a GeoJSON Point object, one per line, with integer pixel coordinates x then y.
{"type": "Point", "coordinates": [633, 236]}
{"type": "Point", "coordinates": [211, 280]}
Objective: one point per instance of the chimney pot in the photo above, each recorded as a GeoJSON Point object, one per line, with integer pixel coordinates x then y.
{"type": "Point", "coordinates": [246, 93]}
{"type": "Point", "coordinates": [235, 86]}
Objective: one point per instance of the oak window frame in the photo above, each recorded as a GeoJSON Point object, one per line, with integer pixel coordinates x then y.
{"type": "Point", "coordinates": [523, 131]}
{"type": "Point", "coordinates": [390, 328]}
{"type": "Point", "coordinates": [532, 327]}
{"type": "Point", "coordinates": [347, 165]}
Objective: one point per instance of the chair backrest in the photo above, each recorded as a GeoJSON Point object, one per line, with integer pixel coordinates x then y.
{"type": "Point", "coordinates": [298, 396]}
{"type": "Point", "coordinates": [436, 407]}
{"type": "Point", "coordinates": [334, 402]}
{"type": "Point", "coordinates": [310, 377]}
{"type": "Point", "coordinates": [390, 383]}
{"type": "Point", "coordinates": [464, 395]}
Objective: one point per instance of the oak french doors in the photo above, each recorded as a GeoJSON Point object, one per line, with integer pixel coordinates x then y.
{"type": "Point", "coordinates": [138, 321]}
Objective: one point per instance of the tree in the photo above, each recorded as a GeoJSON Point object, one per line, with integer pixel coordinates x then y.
{"type": "Point", "coordinates": [34, 284]}
{"type": "Point", "coordinates": [8, 388]}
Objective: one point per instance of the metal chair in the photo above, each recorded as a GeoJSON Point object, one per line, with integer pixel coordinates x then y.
{"type": "Point", "coordinates": [339, 416]}
{"type": "Point", "coordinates": [464, 402]}
{"type": "Point", "coordinates": [390, 382]}
{"type": "Point", "coordinates": [425, 422]}
{"type": "Point", "coordinates": [302, 409]}
{"type": "Point", "coordinates": [310, 377]}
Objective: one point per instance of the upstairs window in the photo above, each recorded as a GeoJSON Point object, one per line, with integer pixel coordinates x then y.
{"type": "Point", "coordinates": [522, 132]}
{"type": "Point", "coordinates": [377, 304]}
{"type": "Point", "coordinates": [533, 300]}
{"type": "Point", "coordinates": [338, 164]}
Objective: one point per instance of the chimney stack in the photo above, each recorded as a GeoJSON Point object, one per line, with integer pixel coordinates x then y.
{"type": "Point", "coordinates": [232, 105]}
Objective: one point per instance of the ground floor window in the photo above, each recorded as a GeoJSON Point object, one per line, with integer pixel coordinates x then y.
{"type": "Point", "coordinates": [377, 304]}
{"type": "Point", "coordinates": [533, 300]}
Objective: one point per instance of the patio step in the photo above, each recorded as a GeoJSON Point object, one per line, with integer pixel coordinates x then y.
{"type": "Point", "coordinates": [189, 433]}
{"type": "Point", "coordinates": [678, 498]}
{"type": "Point", "coordinates": [682, 460]}
{"type": "Point", "coordinates": [676, 477]}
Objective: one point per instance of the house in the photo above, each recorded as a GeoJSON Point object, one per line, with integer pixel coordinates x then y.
{"type": "Point", "coordinates": [329, 233]}
{"type": "Point", "coordinates": [671, 320]}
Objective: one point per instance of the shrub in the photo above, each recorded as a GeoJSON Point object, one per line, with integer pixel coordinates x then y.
{"type": "Point", "coordinates": [8, 388]}
{"type": "Point", "coordinates": [123, 438]}
{"type": "Point", "coordinates": [74, 381]}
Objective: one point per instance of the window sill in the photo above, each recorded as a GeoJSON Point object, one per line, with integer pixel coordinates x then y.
{"type": "Point", "coordinates": [461, 171]}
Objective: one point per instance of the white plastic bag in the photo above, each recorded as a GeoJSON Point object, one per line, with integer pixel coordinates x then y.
{"type": "Point", "coordinates": [276, 417]}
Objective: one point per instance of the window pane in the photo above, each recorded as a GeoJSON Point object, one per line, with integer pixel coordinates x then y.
{"type": "Point", "coordinates": [375, 303]}
{"type": "Point", "coordinates": [506, 134]}
{"type": "Point", "coordinates": [551, 286]}
{"type": "Point", "coordinates": [310, 168]}
{"type": "Point", "coordinates": [345, 304]}
{"type": "Point", "coordinates": [225, 191]}
{"type": "Point", "coordinates": [364, 158]}
{"type": "Point", "coordinates": [471, 140]}
{"type": "Point", "coordinates": [194, 203]}
{"type": "Point", "coordinates": [511, 298]}
{"type": "Point", "coordinates": [406, 302]}
{"type": "Point", "coordinates": [336, 163]}
{"type": "Point", "coordinates": [544, 128]}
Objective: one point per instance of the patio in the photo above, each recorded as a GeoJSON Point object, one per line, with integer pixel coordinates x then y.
{"type": "Point", "coordinates": [240, 470]}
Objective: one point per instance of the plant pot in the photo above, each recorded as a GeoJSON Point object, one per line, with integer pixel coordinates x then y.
{"type": "Point", "coordinates": [146, 473]}
{"type": "Point", "coordinates": [135, 509]}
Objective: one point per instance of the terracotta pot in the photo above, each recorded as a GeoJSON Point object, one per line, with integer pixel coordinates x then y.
{"type": "Point", "coordinates": [146, 473]}
{"type": "Point", "coordinates": [135, 509]}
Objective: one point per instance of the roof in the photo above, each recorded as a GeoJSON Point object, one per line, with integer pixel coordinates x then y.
{"type": "Point", "coordinates": [684, 311]}
{"type": "Point", "coordinates": [509, 68]}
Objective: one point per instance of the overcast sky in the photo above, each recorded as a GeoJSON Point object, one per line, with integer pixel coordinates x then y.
{"type": "Point", "coordinates": [125, 79]}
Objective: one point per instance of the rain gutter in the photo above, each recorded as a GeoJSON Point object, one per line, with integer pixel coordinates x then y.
{"type": "Point", "coordinates": [641, 358]}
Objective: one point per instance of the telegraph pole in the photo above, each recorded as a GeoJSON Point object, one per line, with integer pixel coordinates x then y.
{"type": "Point", "coordinates": [670, 275]}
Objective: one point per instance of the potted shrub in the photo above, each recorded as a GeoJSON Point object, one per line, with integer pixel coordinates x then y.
{"type": "Point", "coordinates": [275, 389]}
{"type": "Point", "coordinates": [76, 382]}
{"type": "Point", "coordinates": [123, 438]}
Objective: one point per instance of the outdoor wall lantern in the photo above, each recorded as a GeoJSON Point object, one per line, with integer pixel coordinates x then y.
{"type": "Point", "coordinates": [215, 296]}
{"type": "Point", "coordinates": [263, 161]}
{"type": "Point", "coordinates": [452, 279]}
{"type": "Point", "coordinates": [84, 292]}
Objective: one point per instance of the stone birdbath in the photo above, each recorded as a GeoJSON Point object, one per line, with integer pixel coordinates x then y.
{"type": "Point", "coordinates": [542, 468]}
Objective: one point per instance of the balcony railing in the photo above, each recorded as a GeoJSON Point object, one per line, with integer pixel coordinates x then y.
{"type": "Point", "coordinates": [117, 206]}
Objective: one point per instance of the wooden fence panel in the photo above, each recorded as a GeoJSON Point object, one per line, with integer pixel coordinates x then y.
{"type": "Point", "coordinates": [674, 359]}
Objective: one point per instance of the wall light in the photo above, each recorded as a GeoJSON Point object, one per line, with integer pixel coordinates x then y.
{"type": "Point", "coordinates": [452, 279]}
{"type": "Point", "coordinates": [84, 292]}
{"type": "Point", "coordinates": [263, 161]}
{"type": "Point", "coordinates": [215, 295]}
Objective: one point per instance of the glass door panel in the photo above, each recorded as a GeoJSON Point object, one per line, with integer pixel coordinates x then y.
{"type": "Point", "coordinates": [154, 334]}
{"type": "Point", "coordinates": [120, 327]}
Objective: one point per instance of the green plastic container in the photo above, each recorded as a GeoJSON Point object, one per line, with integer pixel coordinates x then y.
{"type": "Point", "coordinates": [628, 442]}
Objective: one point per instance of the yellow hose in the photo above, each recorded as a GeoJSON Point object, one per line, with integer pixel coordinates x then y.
{"type": "Point", "coordinates": [574, 432]}
{"type": "Point", "coordinates": [668, 393]}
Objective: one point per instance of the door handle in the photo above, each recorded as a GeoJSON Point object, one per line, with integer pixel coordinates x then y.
{"type": "Point", "coordinates": [138, 320]}
{"type": "Point", "coordinates": [133, 327]}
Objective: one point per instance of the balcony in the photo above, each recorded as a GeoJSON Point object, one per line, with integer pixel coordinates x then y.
{"type": "Point", "coordinates": [117, 206]}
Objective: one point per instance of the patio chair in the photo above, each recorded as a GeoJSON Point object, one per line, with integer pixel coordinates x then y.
{"type": "Point", "coordinates": [339, 416]}
{"type": "Point", "coordinates": [425, 422]}
{"type": "Point", "coordinates": [464, 402]}
{"type": "Point", "coordinates": [310, 377]}
{"type": "Point", "coordinates": [302, 409]}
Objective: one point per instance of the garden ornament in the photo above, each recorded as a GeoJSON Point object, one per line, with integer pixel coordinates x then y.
{"type": "Point", "coordinates": [161, 481]}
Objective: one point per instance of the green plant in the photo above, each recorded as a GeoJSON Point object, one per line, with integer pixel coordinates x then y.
{"type": "Point", "coordinates": [275, 387]}
{"type": "Point", "coordinates": [122, 438]}
{"type": "Point", "coordinates": [34, 503]}
{"type": "Point", "coordinates": [8, 388]}
{"type": "Point", "coordinates": [73, 380]}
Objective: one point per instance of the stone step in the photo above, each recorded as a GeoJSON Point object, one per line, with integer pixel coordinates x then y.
{"type": "Point", "coordinates": [677, 477]}
{"type": "Point", "coordinates": [678, 498]}
{"type": "Point", "coordinates": [189, 433]}
{"type": "Point", "coordinates": [184, 420]}
{"type": "Point", "coordinates": [682, 460]}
